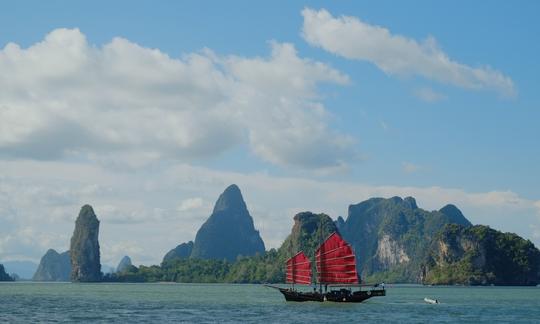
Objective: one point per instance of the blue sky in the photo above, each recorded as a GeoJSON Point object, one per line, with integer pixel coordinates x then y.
{"type": "Point", "coordinates": [462, 129]}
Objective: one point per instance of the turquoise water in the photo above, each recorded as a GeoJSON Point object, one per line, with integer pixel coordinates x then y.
{"type": "Point", "coordinates": [35, 302]}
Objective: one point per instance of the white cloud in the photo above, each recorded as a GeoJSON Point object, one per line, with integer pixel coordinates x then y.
{"type": "Point", "coordinates": [74, 117]}
{"type": "Point", "coordinates": [428, 95]}
{"type": "Point", "coordinates": [189, 204]}
{"type": "Point", "coordinates": [29, 243]}
{"type": "Point", "coordinates": [63, 97]}
{"type": "Point", "coordinates": [396, 54]}
{"type": "Point", "coordinates": [287, 128]}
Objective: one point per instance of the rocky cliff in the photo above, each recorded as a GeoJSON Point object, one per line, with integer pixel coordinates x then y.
{"type": "Point", "coordinates": [85, 257]}
{"type": "Point", "coordinates": [229, 231]}
{"type": "Point", "coordinates": [54, 267]}
{"type": "Point", "coordinates": [308, 232]}
{"type": "Point", "coordinates": [340, 223]}
{"type": "Point", "coordinates": [391, 236]}
{"type": "Point", "coordinates": [3, 275]}
{"type": "Point", "coordinates": [479, 255]}
{"type": "Point", "coordinates": [124, 264]}
{"type": "Point", "coordinates": [181, 251]}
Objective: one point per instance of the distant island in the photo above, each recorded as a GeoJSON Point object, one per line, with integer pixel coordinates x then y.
{"type": "Point", "coordinates": [394, 240]}
{"type": "Point", "coordinates": [54, 266]}
{"type": "Point", "coordinates": [3, 275]}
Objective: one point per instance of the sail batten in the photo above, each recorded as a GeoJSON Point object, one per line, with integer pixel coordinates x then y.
{"type": "Point", "coordinates": [299, 269]}
{"type": "Point", "coordinates": [335, 261]}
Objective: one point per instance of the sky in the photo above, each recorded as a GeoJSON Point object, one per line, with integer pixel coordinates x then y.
{"type": "Point", "coordinates": [148, 111]}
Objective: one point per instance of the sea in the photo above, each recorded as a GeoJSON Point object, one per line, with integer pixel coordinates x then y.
{"type": "Point", "coordinates": [29, 302]}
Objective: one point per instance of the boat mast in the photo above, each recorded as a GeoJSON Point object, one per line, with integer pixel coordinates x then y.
{"type": "Point", "coordinates": [320, 244]}
{"type": "Point", "coordinates": [292, 255]}
{"type": "Point", "coordinates": [293, 274]}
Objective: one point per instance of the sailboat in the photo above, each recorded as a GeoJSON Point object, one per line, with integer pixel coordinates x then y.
{"type": "Point", "coordinates": [336, 267]}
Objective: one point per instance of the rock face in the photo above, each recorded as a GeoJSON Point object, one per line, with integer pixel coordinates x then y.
{"type": "Point", "coordinates": [54, 267]}
{"type": "Point", "coordinates": [340, 223]}
{"type": "Point", "coordinates": [479, 255]}
{"type": "Point", "coordinates": [391, 236]}
{"type": "Point", "coordinates": [124, 264]}
{"type": "Point", "coordinates": [85, 258]}
{"type": "Point", "coordinates": [308, 232]}
{"type": "Point", "coordinates": [3, 275]}
{"type": "Point", "coordinates": [229, 231]}
{"type": "Point", "coordinates": [182, 251]}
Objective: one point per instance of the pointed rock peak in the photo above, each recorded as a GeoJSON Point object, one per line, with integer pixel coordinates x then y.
{"type": "Point", "coordinates": [455, 215]}
{"type": "Point", "coordinates": [126, 259]}
{"type": "Point", "coordinates": [87, 218]}
{"type": "Point", "coordinates": [231, 198]}
{"type": "Point", "coordinates": [450, 209]}
{"type": "Point", "coordinates": [51, 252]}
{"type": "Point", "coordinates": [340, 223]}
{"type": "Point", "coordinates": [87, 212]}
{"type": "Point", "coordinates": [84, 248]}
{"type": "Point", "coordinates": [411, 202]}
{"type": "Point", "coordinates": [229, 231]}
{"type": "Point", "coordinates": [182, 251]}
{"type": "Point", "coordinates": [396, 200]}
{"type": "Point", "coordinates": [124, 264]}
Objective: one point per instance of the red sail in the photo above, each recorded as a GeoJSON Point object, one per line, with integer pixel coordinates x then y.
{"type": "Point", "coordinates": [299, 269]}
{"type": "Point", "coordinates": [336, 263]}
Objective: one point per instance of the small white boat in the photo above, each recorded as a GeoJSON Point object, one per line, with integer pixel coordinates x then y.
{"type": "Point", "coordinates": [431, 301]}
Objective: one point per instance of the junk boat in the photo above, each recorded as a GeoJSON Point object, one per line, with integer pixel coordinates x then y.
{"type": "Point", "coordinates": [336, 268]}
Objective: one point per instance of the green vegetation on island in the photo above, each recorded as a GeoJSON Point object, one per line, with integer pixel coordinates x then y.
{"type": "Point", "coordinates": [255, 269]}
{"type": "Point", "coordinates": [308, 230]}
{"type": "Point", "coordinates": [391, 236]}
{"type": "Point", "coordinates": [479, 255]}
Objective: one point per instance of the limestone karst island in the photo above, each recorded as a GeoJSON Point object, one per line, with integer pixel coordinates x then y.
{"type": "Point", "coordinates": [394, 240]}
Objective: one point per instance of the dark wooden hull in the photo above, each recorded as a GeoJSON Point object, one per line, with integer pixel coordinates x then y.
{"type": "Point", "coordinates": [338, 296]}
{"type": "Point", "coordinates": [299, 296]}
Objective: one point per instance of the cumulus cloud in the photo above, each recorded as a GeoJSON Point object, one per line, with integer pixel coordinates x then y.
{"type": "Point", "coordinates": [63, 97]}
{"type": "Point", "coordinates": [355, 39]}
